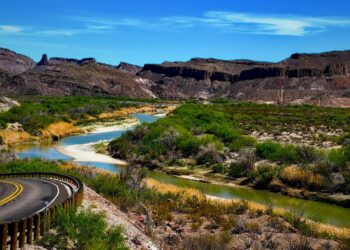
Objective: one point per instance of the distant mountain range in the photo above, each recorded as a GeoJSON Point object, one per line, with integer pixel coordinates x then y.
{"type": "Point", "coordinates": [322, 79]}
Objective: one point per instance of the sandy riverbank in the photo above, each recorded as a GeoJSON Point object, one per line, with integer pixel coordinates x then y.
{"type": "Point", "coordinates": [86, 153]}
{"type": "Point", "coordinates": [103, 128]}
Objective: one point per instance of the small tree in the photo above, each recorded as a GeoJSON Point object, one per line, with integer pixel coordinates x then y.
{"type": "Point", "coordinates": [209, 155]}
{"type": "Point", "coordinates": [169, 141]}
{"type": "Point", "coordinates": [132, 176]}
{"type": "Point", "coordinates": [244, 164]}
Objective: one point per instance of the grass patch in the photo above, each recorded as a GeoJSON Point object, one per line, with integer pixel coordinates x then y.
{"type": "Point", "coordinates": [83, 230]}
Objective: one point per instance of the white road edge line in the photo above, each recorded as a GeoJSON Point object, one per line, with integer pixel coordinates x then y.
{"type": "Point", "coordinates": [58, 192]}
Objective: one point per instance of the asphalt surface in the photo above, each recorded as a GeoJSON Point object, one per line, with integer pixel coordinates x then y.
{"type": "Point", "coordinates": [6, 189]}
{"type": "Point", "coordinates": [30, 197]}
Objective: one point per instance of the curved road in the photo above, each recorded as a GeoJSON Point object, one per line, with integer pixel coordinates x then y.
{"type": "Point", "coordinates": [20, 198]}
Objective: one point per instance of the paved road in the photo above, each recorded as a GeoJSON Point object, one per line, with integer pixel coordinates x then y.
{"type": "Point", "coordinates": [20, 198]}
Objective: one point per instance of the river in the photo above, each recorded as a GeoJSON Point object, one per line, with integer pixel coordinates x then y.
{"type": "Point", "coordinates": [326, 213]}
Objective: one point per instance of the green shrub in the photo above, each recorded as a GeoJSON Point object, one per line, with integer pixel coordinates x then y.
{"type": "Point", "coordinates": [267, 149]}
{"type": "Point", "coordinates": [277, 152]}
{"type": "Point", "coordinates": [340, 157]}
{"type": "Point", "coordinates": [344, 140]}
{"type": "Point", "coordinates": [218, 169]}
{"type": "Point", "coordinates": [306, 154]}
{"type": "Point", "coordinates": [226, 133]}
{"type": "Point", "coordinates": [209, 155]}
{"type": "Point", "coordinates": [88, 230]}
{"type": "Point", "coordinates": [238, 169]}
{"type": "Point", "coordinates": [244, 164]}
{"type": "Point", "coordinates": [242, 142]}
{"type": "Point", "coordinates": [263, 173]}
{"type": "Point", "coordinates": [120, 148]}
{"type": "Point", "coordinates": [206, 139]}
{"type": "Point", "coordinates": [188, 145]}
{"type": "Point", "coordinates": [288, 153]}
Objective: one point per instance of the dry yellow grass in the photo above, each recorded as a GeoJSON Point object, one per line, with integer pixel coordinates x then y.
{"type": "Point", "coordinates": [168, 188]}
{"type": "Point", "coordinates": [127, 111]}
{"type": "Point", "coordinates": [82, 169]}
{"type": "Point", "coordinates": [59, 129]}
{"type": "Point", "coordinates": [295, 174]}
{"type": "Point", "coordinates": [188, 192]}
{"type": "Point", "coordinates": [169, 109]}
{"type": "Point", "coordinates": [56, 130]}
{"type": "Point", "coordinates": [12, 137]}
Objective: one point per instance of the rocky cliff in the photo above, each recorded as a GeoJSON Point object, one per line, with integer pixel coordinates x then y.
{"type": "Point", "coordinates": [303, 78]}
{"type": "Point", "coordinates": [64, 76]}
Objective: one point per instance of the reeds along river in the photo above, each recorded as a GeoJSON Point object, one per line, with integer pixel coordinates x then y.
{"type": "Point", "coordinates": [317, 211]}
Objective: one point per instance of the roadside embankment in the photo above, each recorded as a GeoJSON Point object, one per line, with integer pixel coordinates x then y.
{"type": "Point", "coordinates": [116, 217]}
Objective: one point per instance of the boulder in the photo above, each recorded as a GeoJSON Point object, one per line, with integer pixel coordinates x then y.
{"type": "Point", "coordinates": [131, 68]}
{"type": "Point", "coordinates": [337, 180]}
{"type": "Point", "coordinates": [7, 155]}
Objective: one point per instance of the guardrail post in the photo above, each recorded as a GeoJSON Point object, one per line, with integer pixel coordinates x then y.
{"type": "Point", "coordinates": [4, 236]}
{"type": "Point", "coordinates": [30, 231]}
{"type": "Point", "coordinates": [53, 213]}
{"type": "Point", "coordinates": [22, 233]}
{"type": "Point", "coordinates": [48, 219]}
{"type": "Point", "coordinates": [65, 207]}
{"type": "Point", "coordinates": [14, 232]}
{"type": "Point", "coordinates": [36, 227]}
{"type": "Point", "coordinates": [43, 223]}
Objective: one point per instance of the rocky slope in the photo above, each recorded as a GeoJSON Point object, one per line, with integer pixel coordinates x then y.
{"type": "Point", "coordinates": [303, 78]}
{"type": "Point", "coordinates": [13, 63]}
{"type": "Point", "coordinates": [63, 76]}
{"type": "Point", "coordinates": [322, 79]}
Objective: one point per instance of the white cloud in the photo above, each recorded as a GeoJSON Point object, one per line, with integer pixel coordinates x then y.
{"type": "Point", "coordinates": [10, 29]}
{"type": "Point", "coordinates": [257, 24]}
{"type": "Point", "coordinates": [58, 32]}
{"type": "Point", "coordinates": [71, 32]}
{"type": "Point", "coordinates": [219, 20]}
{"type": "Point", "coordinates": [275, 25]}
{"type": "Point", "coordinates": [106, 22]}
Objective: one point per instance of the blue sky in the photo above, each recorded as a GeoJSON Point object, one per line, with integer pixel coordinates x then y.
{"type": "Point", "coordinates": [154, 31]}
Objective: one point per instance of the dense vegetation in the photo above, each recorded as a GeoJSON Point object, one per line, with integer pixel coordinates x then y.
{"type": "Point", "coordinates": [38, 112]}
{"type": "Point", "coordinates": [217, 136]}
{"type": "Point", "coordinates": [269, 118]}
{"type": "Point", "coordinates": [216, 223]}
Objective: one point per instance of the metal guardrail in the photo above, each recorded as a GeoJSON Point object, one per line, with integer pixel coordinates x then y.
{"type": "Point", "coordinates": [17, 233]}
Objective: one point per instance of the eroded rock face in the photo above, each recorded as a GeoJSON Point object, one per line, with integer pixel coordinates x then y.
{"type": "Point", "coordinates": [44, 61]}
{"type": "Point", "coordinates": [321, 79]}
{"type": "Point", "coordinates": [13, 63]}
